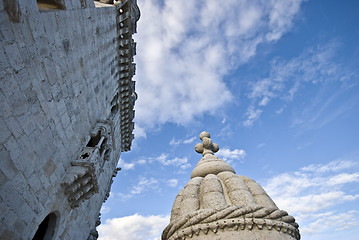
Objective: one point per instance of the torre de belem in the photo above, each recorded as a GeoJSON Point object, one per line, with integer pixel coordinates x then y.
{"type": "Point", "coordinates": [66, 112]}
{"type": "Point", "coordinates": [217, 204]}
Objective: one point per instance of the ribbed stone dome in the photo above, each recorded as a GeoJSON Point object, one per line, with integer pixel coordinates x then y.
{"type": "Point", "coordinates": [218, 204]}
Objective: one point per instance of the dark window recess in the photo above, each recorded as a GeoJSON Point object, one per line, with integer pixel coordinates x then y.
{"type": "Point", "coordinates": [48, 5]}
{"type": "Point", "coordinates": [94, 140]}
{"type": "Point", "coordinates": [46, 228]}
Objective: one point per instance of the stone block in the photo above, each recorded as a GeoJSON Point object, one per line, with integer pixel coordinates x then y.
{"type": "Point", "coordinates": [26, 32]}
{"type": "Point", "coordinates": [6, 165]}
{"type": "Point", "coordinates": [4, 131]}
{"type": "Point", "coordinates": [18, 102]}
{"type": "Point", "coordinates": [65, 120]}
{"type": "Point", "coordinates": [3, 61]}
{"type": "Point", "coordinates": [12, 147]}
{"type": "Point", "coordinates": [19, 227]}
{"type": "Point", "coordinates": [40, 118]}
{"type": "Point", "coordinates": [8, 36]}
{"type": "Point", "coordinates": [61, 107]}
{"type": "Point", "coordinates": [49, 167]}
{"type": "Point", "coordinates": [14, 126]}
{"type": "Point", "coordinates": [13, 56]}
{"type": "Point", "coordinates": [7, 234]}
{"type": "Point", "coordinates": [27, 123]}
{"type": "Point", "coordinates": [35, 183]}
{"type": "Point", "coordinates": [8, 84]}
{"type": "Point", "coordinates": [42, 196]}
{"type": "Point", "coordinates": [3, 178]}
{"type": "Point", "coordinates": [23, 76]}
{"type": "Point", "coordinates": [5, 108]}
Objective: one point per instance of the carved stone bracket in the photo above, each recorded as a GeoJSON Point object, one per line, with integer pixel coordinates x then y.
{"type": "Point", "coordinates": [80, 181]}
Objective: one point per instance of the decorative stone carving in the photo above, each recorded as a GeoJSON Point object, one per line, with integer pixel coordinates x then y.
{"type": "Point", "coordinates": [216, 198]}
{"type": "Point", "coordinates": [93, 234]}
{"type": "Point", "coordinates": [80, 181]}
{"type": "Point", "coordinates": [129, 14]}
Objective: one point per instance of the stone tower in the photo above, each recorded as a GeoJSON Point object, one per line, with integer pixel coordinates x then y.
{"type": "Point", "coordinates": [66, 113]}
{"type": "Point", "coordinates": [218, 204]}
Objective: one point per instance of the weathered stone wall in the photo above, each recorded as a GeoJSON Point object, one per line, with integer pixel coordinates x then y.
{"type": "Point", "coordinates": [58, 75]}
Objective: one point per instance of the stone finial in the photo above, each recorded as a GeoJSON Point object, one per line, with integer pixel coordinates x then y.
{"type": "Point", "coordinates": [206, 147]}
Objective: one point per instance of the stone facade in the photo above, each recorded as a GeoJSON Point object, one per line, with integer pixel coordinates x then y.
{"type": "Point", "coordinates": [218, 204]}
{"type": "Point", "coordinates": [66, 112]}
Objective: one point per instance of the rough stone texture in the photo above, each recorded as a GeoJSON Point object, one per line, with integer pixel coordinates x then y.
{"type": "Point", "coordinates": [218, 204]}
{"type": "Point", "coordinates": [59, 72]}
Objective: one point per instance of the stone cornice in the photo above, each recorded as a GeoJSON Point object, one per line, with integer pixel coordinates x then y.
{"type": "Point", "coordinates": [128, 15]}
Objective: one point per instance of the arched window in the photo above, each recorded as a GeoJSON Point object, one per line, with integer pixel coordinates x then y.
{"type": "Point", "coordinates": [48, 5]}
{"type": "Point", "coordinates": [46, 228]}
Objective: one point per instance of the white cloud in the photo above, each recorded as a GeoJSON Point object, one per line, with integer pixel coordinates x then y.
{"type": "Point", "coordinates": [134, 227]}
{"type": "Point", "coordinates": [187, 47]}
{"type": "Point", "coordinates": [315, 195]}
{"type": "Point", "coordinates": [143, 185]}
{"type": "Point", "coordinates": [229, 155]}
{"type": "Point", "coordinates": [172, 182]}
{"type": "Point", "coordinates": [163, 159]}
{"type": "Point", "coordinates": [125, 166]}
{"type": "Point", "coordinates": [327, 221]}
{"type": "Point", "coordinates": [334, 166]}
{"type": "Point", "coordinates": [190, 140]}
{"type": "Point", "coordinates": [252, 115]}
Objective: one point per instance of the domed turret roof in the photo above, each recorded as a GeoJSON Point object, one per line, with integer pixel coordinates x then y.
{"type": "Point", "coordinates": [216, 198]}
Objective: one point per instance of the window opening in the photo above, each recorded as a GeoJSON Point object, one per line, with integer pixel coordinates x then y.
{"type": "Point", "coordinates": [94, 140]}
{"type": "Point", "coordinates": [46, 228]}
{"type": "Point", "coordinates": [48, 5]}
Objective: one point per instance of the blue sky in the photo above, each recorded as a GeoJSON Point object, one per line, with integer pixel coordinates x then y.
{"type": "Point", "coordinates": [274, 82]}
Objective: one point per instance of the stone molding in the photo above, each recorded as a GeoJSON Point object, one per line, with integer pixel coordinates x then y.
{"type": "Point", "coordinates": [234, 217]}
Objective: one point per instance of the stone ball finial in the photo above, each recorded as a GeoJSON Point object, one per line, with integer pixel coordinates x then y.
{"type": "Point", "coordinates": [207, 146]}
{"type": "Point", "coordinates": [204, 134]}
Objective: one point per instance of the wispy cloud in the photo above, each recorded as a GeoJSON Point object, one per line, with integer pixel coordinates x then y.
{"type": "Point", "coordinates": [311, 193]}
{"type": "Point", "coordinates": [143, 185]}
{"type": "Point", "coordinates": [315, 66]}
{"type": "Point", "coordinates": [134, 227]}
{"type": "Point", "coordinates": [174, 142]}
{"type": "Point", "coordinates": [260, 145]}
{"type": "Point", "coordinates": [251, 115]}
{"type": "Point", "coordinates": [166, 161]}
{"type": "Point", "coordinates": [229, 155]}
{"type": "Point", "coordinates": [187, 47]}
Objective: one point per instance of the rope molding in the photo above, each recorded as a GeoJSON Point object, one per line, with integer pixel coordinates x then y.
{"type": "Point", "coordinates": [236, 217]}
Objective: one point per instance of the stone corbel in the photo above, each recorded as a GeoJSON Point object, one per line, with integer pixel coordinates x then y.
{"type": "Point", "coordinates": [80, 182]}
